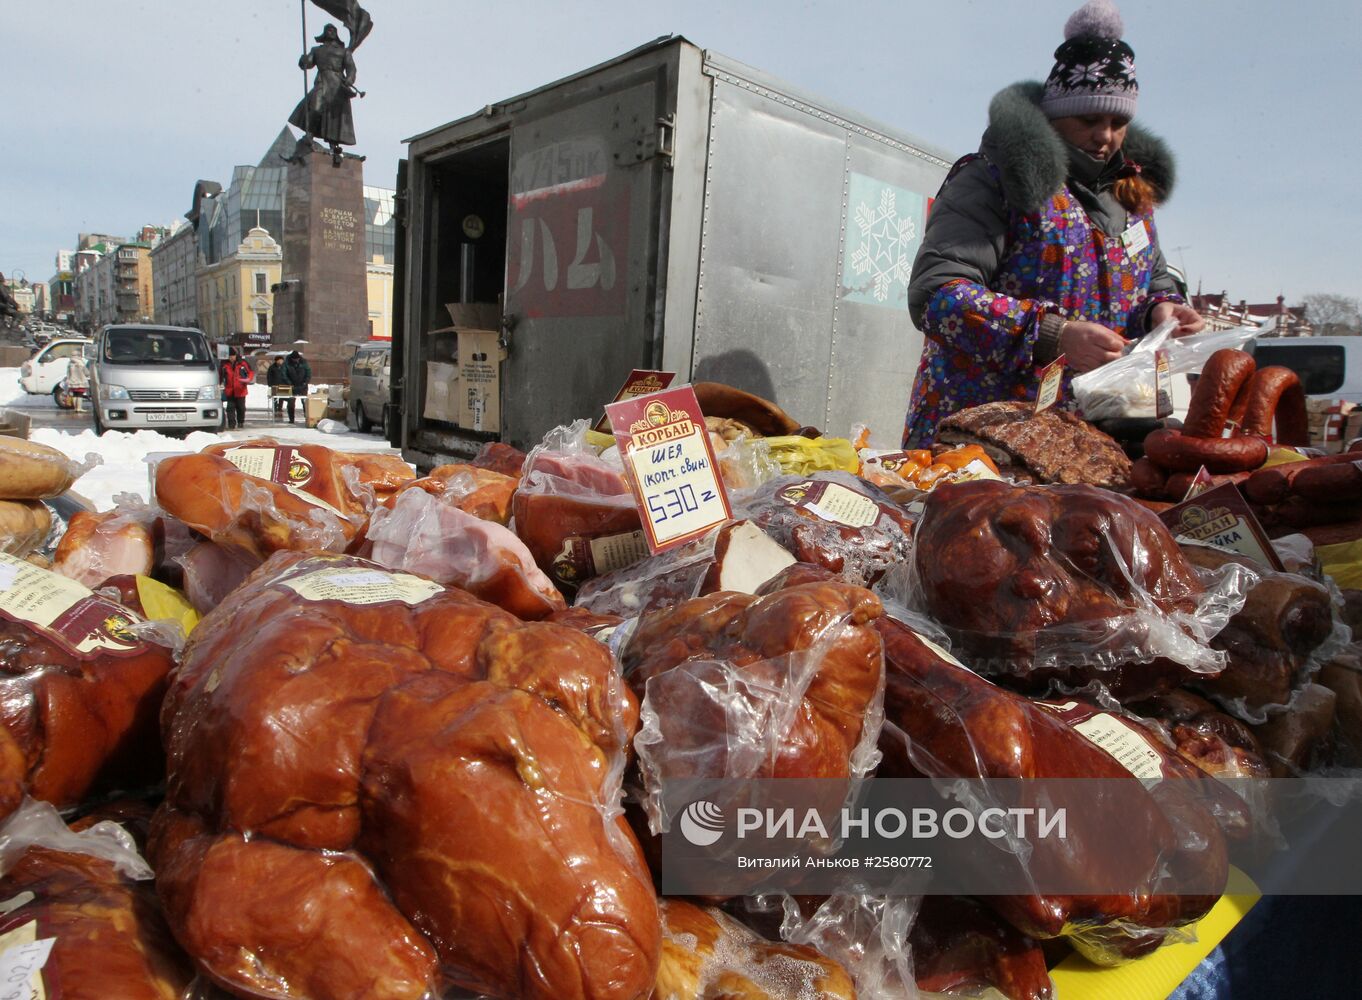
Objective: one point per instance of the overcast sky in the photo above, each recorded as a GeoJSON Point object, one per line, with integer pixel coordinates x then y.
{"type": "Point", "coordinates": [114, 108]}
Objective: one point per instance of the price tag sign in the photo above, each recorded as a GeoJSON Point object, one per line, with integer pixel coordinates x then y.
{"type": "Point", "coordinates": [673, 472]}
{"type": "Point", "coordinates": [1163, 385]}
{"type": "Point", "coordinates": [1201, 482]}
{"type": "Point", "coordinates": [1051, 384]}
{"type": "Point", "coordinates": [1222, 518]}
{"type": "Point", "coordinates": [641, 382]}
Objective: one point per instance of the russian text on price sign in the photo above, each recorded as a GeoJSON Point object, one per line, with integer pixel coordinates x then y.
{"type": "Point", "coordinates": [672, 468]}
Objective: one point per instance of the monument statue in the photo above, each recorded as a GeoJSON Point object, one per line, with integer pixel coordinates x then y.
{"type": "Point", "coordinates": [325, 112]}
{"type": "Point", "coordinates": [356, 18]}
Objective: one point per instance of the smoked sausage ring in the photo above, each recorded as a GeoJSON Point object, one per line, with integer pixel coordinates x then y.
{"type": "Point", "coordinates": [1276, 392]}
{"type": "Point", "coordinates": [1179, 452]}
{"type": "Point", "coordinates": [1224, 379]}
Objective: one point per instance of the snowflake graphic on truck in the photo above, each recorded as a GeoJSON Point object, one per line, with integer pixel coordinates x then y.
{"type": "Point", "coordinates": [887, 219]}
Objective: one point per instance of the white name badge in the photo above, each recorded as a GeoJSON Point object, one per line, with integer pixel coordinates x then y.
{"type": "Point", "coordinates": [1136, 239]}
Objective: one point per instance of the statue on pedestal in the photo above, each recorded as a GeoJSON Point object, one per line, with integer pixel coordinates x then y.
{"type": "Point", "coordinates": [324, 113]}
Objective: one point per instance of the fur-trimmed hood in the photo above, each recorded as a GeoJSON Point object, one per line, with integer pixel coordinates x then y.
{"type": "Point", "coordinates": [1034, 160]}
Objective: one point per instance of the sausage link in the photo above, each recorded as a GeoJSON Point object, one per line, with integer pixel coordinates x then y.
{"type": "Point", "coordinates": [1276, 392]}
{"type": "Point", "coordinates": [1224, 378]}
{"type": "Point", "coordinates": [1335, 482]}
{"type": "Point", "coordinates": [1147, 479]}
{"type": "Point", "coordinates": [1300, 512]}
{"type": "Point", "coordinates": [1180, 452]}
{"type": "Point", "coordinates": [1269, 486]}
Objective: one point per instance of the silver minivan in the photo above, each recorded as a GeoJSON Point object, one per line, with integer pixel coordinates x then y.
{"type": "Point", "coordinates": [157, 377]}
{"type": "Point", "coordinates": [369, 371]}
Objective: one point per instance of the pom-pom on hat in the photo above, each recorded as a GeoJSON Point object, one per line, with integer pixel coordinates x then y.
{"type": "Point", "coordinates": [1094, 69]}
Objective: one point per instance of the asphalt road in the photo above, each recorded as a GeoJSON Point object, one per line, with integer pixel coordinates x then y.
{"type": "Point", "coordinates": [42, 412]}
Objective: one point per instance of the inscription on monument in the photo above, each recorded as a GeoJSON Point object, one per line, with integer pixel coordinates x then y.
{"type": "Point", "coordinates": [339, 227]}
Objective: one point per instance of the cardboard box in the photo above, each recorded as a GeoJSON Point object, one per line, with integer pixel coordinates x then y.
{"type": "Point", "coordinates": [315, 407]}
{"type": "Point", "coordinates": [442, 392]}
{"type": "Point", "coordinates": [480, 381]}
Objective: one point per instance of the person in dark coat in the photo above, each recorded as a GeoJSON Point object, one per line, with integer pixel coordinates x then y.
{"type": "Point", "coordinates": [297, 373]}
{"type": "Point", "coordinates": [236, 376]}
{"type": "Point", "coordinates": [274, 377]}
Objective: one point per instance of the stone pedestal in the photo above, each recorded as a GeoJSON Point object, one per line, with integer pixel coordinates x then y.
{"type": "Point", "coordinates": [323, 297]}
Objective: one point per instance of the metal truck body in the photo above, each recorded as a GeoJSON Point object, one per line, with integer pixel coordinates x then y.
{"type": "Point", "coordinates": [670, 209]}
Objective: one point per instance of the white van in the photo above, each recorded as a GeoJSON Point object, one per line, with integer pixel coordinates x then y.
{"type": "Point", "coordinates": [1329, 367]}
{"type": "Point", "coordinates": [163, 378]}
{"type": "Point", "coordinates": [40, 374]}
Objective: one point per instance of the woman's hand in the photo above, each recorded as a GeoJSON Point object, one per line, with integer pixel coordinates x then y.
{"type": "Point", "coordinates": [1086, 346]}
{"type": "Point", "coordinates": [1189, 320]}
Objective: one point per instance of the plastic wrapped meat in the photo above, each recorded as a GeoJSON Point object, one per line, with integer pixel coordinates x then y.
{"type": "Point", "coordinates": [1285, 618]}
{"type": "Point", "coordinates": [425, 534]}
{"type": "Point", "coordinates": [833, 519]}
{"type": "Point", "coordinates": [707, 955]}
{"type": "Point", "coordinates": [575, 512]}
{"type": "Point", "coordinates": [1217, 743]}
{"type": "Point", "coordinates": [98, 546]}
{"type": "Point", "coordinates": [501, 458]}
{"type": "Point", "coordinates": [80, 686]}
{"type": "Point", "coordinates": [960, 948]}
{"type": "Point", "coordinates": [948, 722]}
{"type": "Point", "coordinates": [351, 483]}
{"type": "Point", "coordinates": [210, 572]}
{"type": "Point", "coordinates": [259, 516]}
{"type": "Point", "coordinates": [104, 926]}
{"type": "Point", "coordinates": [390, 770]}
{"type": "Point", "coordinates": [480, 492]}
{"type": "Point", "coordinates": [736, 556]}
{"type": "Point", "coordinates": [270, 920]}
{"type": "Point", "coordinates": [736, 686]}
{"type": "Point", "coordinates": [1067, 584]}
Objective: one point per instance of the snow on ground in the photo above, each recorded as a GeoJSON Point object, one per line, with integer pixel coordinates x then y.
{"type": "Point", "coordinates": [12, 393]}
{"type": "Point", "coordinates": [120, 460]}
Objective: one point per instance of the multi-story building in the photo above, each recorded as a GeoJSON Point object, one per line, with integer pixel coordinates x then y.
{"type": "Point", "coordinates": [61, 287]}
{"type": "Point", "coordinates": [174, 278]}
{"type": "Point", "coordinates": [235, 303]}
{"type": "Point", "coordinates": [115, 287]}
{"type": "Point", "coordinates": [1276, 319]}
{"type": "Point", "coordinates": [380, 234]}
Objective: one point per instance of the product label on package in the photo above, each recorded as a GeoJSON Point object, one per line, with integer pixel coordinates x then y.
{"type": "Point", "coordinates": [1222, 518]}
{"type": "Point", "coordinates": [22, 956]}
{"type": "Point", "coordinates": [282, 465]}
{"type": "Point", "coordinates": [65, 612]}
{"type": "Point", "coordinates": [361, 586]}
{"type": "Point", "coordinates": [832, 502]}
{"type": "Point", "coordinates": [582, 558]}
{"type": "Point", "coordinates": [1051, 383]}
{"type": "Point", "coordinates": [673, 472]}
{"type": "Point", "coordinates": [1112, 736]}
{"type": "Point", "coordinates": [640, 382]}
{"type": "Point", "coordinates": [1163, 385]}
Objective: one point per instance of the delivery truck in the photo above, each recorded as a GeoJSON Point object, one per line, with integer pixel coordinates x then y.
{"type": "Point", "coordinates": [672, 210]}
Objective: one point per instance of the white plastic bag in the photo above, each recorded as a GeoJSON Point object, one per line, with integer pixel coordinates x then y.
{"type": "Point", "coordinates": [1125, 387]}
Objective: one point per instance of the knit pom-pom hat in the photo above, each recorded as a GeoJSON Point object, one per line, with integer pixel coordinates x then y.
{"type": "Point", "coordinates": [1094, 69]}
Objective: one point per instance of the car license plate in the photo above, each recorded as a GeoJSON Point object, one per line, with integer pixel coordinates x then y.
{"type": "Point", "coordinates": [168, 416]}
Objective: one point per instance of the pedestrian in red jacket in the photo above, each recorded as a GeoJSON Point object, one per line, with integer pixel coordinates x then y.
{"type": "Point", "coordinates": [236, 376]}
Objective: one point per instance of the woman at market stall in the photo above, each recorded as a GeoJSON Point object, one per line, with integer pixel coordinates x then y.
{"type": "Point", "coordinates": [1043, 244]}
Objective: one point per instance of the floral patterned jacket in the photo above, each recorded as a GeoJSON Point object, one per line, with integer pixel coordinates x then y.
{"type": "Point", "coordinates": [1014, 235]}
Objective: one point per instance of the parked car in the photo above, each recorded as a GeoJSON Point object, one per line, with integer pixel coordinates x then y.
{"type": "Point", "coordinates": [40, 374]}
{"type": "Point", "coordinates": [159, 377]}
{"type": "Point", "coordinates": [369, 371]}
{"type": "Point", "coordinates": [1329, 367]}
